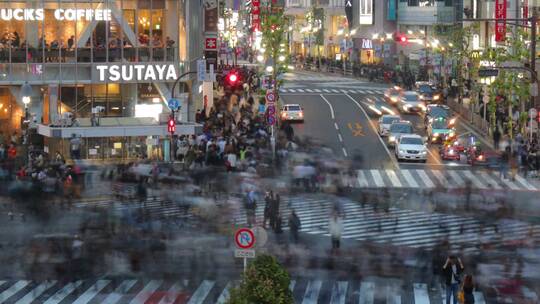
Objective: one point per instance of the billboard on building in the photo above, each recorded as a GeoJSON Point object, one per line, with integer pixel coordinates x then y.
{"type": "Point", "coordinates": [391, 14]}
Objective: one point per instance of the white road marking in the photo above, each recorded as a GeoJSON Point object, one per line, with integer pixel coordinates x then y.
{"type": "Point", "coordinates": [173, 293]}
{"type": "Point", "coordinates": [339, 292]}
{"type": "Point", "coordinates": [340, 137]}
{"type": "Point", "coordinates": [522, 181]}
{"type": "Point", "coordinates": [119, 292]}
{"type": "Point", "coordinates": [456, 177]}
{"type": "Point", "coordinates": [367, 293]}
{"type": "Point", "coordinates": [63, 293]}
{"type": "Point", "coordinates": [425, 178]}
{"type": "Point", "coordinates": [479, 298]}
{"type": "Point", "coordinates": [473, 179]}
{"type": "Point", "coordinates": [362, 179]}
{"type": "Point", "coordinates": [309, 90]}
{"type": "Point", "coordinates": [336, 126]}
{"type": "Point", "coordinates": [36, 292]}
{"type": "Point", "coordinates": [396, 165]}
{"type": "Point", "coordinates": [493, 183]}
{"type": "Point", "coordinates": [345, 152]}
{"type": "Point", "coordinates": [92, 291]}
{"type": "Point", "coordinates": [13, 290]}
{"type": "Point", "coordinates": [510, 184]}
{"type": "Point", "coordinates": [312, 292]}
{"type": "Point", "coordinates": [224, 296]}
{"type": "Point", "coordinates": [442, 180]}
{"type": "Point", "coordinates": [421, 295]}
{"type": "Point", "coordinates": [201, 293]}
{"type": "Point", "coordinates": [408, 177]}
{"type": "Point", "coordinates": [326, 90]}
{"type": "Point", "coordinates": [330, 105]}
{"type": "Point", "coordinates": [300, 90]}
{"type": "Point", "coordinates": [146, 292]}
{"type": "Point", "coordinates": [335, 91]}
{"type": "Point", "coordinates": [377, 178]}
{"type": "Point", "coordinates": [393, 178]}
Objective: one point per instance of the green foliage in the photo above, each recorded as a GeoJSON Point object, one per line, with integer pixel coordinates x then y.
{"type": "Point", "coordinates": [274, 27]}
{"type": "Point", "coordinates": [265, 282]}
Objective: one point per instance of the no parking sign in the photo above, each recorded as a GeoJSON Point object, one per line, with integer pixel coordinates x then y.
{"type": "Point", "coordinates": [244, 238]}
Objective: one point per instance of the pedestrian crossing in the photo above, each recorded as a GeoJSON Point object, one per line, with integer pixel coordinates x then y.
{"type": "Point", "coordinates": [295, 90]}
{"type": "Point", "coordinates": [426, 178]}
{"type": "Point", "coordinates": [399, 227]}
{"type": "Point", "coordinates": [136, 291]}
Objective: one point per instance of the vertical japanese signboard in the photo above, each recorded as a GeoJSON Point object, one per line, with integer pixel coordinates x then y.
{"type": "Point", "coordinates": [500, 24]}
{"type": "Point", "coordinates": [256, 15]}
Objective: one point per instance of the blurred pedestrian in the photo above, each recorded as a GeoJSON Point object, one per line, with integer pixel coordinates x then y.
{"type": "Point", "coordinates": [274, 213]}
{"type": "Point", "coordinates": [251, 207]}
{"type": "Point", "coordinates": [267, 208]}
{"type": "Point", "coordinates": [452, 270]}
{"type": "Point", "coordinates": [468, 288]}
{"type": "Point", "coordinates": [294, 225]}
{"type": "Point", "coordinates": [335, 227]}
{"type": "Point", "coordinates": [505, 158]}
{"type": "Point", "coordinates": [496, 138]}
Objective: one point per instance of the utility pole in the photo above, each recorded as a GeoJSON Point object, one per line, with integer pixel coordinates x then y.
{"type": "Point", "coordinates": [534, 22]}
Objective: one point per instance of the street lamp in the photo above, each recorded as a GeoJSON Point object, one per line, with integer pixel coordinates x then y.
{"type": "Point", "coordinates": [26, 96]}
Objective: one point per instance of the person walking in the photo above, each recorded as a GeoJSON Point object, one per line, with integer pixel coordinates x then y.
{"type": "Point", "coordinates": [452, 270]}
{"type": "Point", "coordinates": [251, 207]}
{"type": "Point", "coordinates": [275, 221]}
{"type": "Point", "coordinates": [496, 138]}
{"type": "Point", "coordinates": [505, 158]}
{"type": "Point", "coordinates": [335, 227]}
{"type": "Point", "coordinates": [294, 225]}
{"type": "Point", "coordinates": [267, 209]}
{"type": "Point", "coordinates": [468, 288]}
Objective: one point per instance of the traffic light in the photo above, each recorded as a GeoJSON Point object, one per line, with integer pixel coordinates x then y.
{"type": "Point", "coordinates": [171, 125]}
{"type": "Point", "coordinates": [233, 80]}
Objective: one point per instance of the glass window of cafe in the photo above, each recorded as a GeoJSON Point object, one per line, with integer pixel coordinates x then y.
{"type": "Point", "coordinates": [109, 24]}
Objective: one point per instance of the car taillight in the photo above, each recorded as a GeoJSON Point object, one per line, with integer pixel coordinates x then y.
{"type": "Point", "coordinates": [301, 114]}
{"type": "Point", "coordinates": [480, 157]}
{"type": "Point", "coordinates": [284, 114]}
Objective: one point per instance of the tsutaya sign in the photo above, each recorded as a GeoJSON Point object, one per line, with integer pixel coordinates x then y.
{"type": "Point", "coordinates": [136, 72]}
{"type": "Point", "coordinates": [31, 14]}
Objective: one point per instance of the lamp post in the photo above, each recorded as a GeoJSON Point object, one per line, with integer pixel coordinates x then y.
{"type": "Point", "coordinates": [26, 96]}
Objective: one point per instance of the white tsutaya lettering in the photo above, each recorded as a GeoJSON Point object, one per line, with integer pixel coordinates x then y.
{"type": "Point", "coordinates": [139, 68]}
{"type": "Point", "coordinates": [161, 71]}
{"type": "Point", "coordinates": [114, 73]}
{"type": "Point", "coordinates": [150, 73]}
{"type": "Point", "coordinates": [171, 73]}
{"type": "Point", "coordinates": [125, 71]}
{"type": "Point", "coordinates": [101, 69]}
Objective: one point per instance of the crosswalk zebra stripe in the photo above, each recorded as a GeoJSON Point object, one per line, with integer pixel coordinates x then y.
{"type": "Point", "coordinates": [344, 91]}
{"type": "Point", "coordinates": [456, 177]}
{"type": "Point", "coordinates": [6, 294]}
{"type": "Point", "coordinates": [172, 294]}
{"type": "Point", "coordinates": [200, 294]}
{"type": "Point", "coordinates": [477, 183]}
{"type": "Point", "coordinates": [421, 295]}
{"type": "Point", "coordinates": [425, 178]}
{"type": "Point", "coordinates": [367, 293]}
{"type": "Point", "coordinates": [408, 178]}
{"type": "Point", "coordinates": [491, 182]}
{"type": "Point", "coordinates": [316, 90]}
{"type": "Point", "coordinates": [391, 297]}
{"type": "Point", "coordinates": [393, 178]}
{"type": "Point", "coordinates": [146, 292]}
{"type": "Point", "coordinates": [292, 90]}
{"type": "Point", "coordinates": [312, 292]}
{"type": "Point", "coordinates": [36, 292]}
{"type": "Point", "coordinates": [362, 179]}
{"type": "Point", "coordinates": [510, 184]}
{"type": "Point", "coordinates": [301, 90]}
{"type": "Point", "coordinates": [63, 293]}
{"type": "Point", "coordinates": [377, 178]}
{"type": "Point", "coordinates": [291, 285]}
{"type": "Point", "coordinates": [440, 178]}
{"type": "Point", "coordinates": [353, 91]}
{"type": "Point", "coordinates": [479, 298]}
{"type": "Point", "coordinates": [335, 91]}
{"type": "Point", "coordinates": [92, 292]}
{"type": "Point", "coordinates": [309, 90]}
{"type": "Point", "coordinates": [524, 182]}
{"type": "Point", "coordinates": [326, 90]}
{"type": "Point", "coordinates": [119, 292]}
{"type": "Point", "coordinates": [224, 296]}
{"type": "Point", "coordinates": [339, 292]}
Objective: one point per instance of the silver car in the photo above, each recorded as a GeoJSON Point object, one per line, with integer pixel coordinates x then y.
{"type": "Point", "coordinates": [409, 102]}
{"type": "Point", "coordinates": [385, 122]}
{"type": "Point", "coordinates": [397, 129]}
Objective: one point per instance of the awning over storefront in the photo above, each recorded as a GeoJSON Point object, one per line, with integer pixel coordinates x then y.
{"type": "Point", "coordinates": [117, 126]}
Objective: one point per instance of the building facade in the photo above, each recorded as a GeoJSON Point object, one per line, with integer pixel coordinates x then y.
{"type": "Point", "coordinates": [99, 70]}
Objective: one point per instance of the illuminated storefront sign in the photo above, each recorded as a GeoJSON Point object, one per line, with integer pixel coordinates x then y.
{"type": "Point", "coordinates": [38, 14]}
{"type": "Point", "coordinates": [136, 72]}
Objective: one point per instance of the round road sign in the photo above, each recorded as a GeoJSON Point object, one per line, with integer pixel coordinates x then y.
{"type": "Point", "coordinates": [271, 110]}
{"type": "Point", "coordinates": [271, 120]}
{"type": "Point", "coordinates": [270, 97]}
{"type": "Point", "coordinates": [244, 238]}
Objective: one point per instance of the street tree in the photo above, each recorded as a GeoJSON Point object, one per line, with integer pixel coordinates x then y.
{"type": "Point", "coordinates": [264, 282]}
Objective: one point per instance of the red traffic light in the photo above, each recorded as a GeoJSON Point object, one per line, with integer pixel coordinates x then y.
{"type": "Point", "coordinates": [171, 125]}
{"type": "Point", "coordinates": [403, 39]}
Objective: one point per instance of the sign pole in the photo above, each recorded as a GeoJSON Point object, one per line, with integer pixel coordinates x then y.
{"type": "Point", "coordinates": [245, 264]}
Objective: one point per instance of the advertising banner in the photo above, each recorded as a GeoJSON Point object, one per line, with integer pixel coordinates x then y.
{"type": "Point", "coordinates": [500, 24]}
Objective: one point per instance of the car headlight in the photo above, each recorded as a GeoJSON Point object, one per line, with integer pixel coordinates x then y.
{"type": "Point", "coordinates": [452, 121]}
{"type": "Point", "coordinates": [391, 138]}
{"type": "Point", "coordinates": [423, 107]}
{"type": "Point", "coordinates": [402, 151]}
{"type": "Point", "coordinates": [436, 134]}
{"type": "Point", "coordinates": [393, 99]}
{"type": "Point", "coordinates": [423, 152]}
{"type": "Point", "coordinates": [451, 134]}
{"type": "Point", "coordinates": [421, 96]}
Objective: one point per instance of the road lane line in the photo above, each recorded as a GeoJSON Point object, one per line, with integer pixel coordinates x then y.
{"type": "Point", "coordinates": [427, 181]}
{"type": "Point", "coordinates": [146, 292]}
{"type": "Point", "coordinates": [340, 137]}
{"type": "Point", "coordinates": [421, 295]}
{"type": "Point", "coordinates": [362, 179]}
{"type": "Point", "coordinates": [330, 105]}
{"type": "Point", "coordinates": [396, 165]}
{"type": "Point", "coordinates": [377, 178]}
{"type": "Point", "coordinates": [312, 292]}
{"type": "Point", "coordinates": [408, 177]}
{"type": "Point", "coordinates": [367, 293]}
{"type": "Point", "coordinates": [442, 180]}
{"type": "Point", "coordinates": [336, 126]}
{"type": "Point", "coordinates": [460, 182]}
{"type": "Point", "coordinates": [491, 182]}
{"type": "Point", "coordinates": [393, 178]}
{"type": "Point", "coordinates": [339, 292]}
{"type": "Point", "coordinates": [345, 152]}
